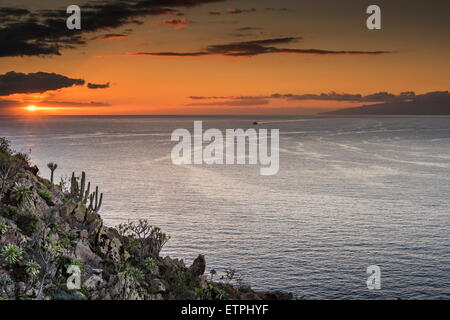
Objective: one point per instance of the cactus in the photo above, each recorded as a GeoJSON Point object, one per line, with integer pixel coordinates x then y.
{"type": "Point", "coordinates": [73, 185]}
{"type": "Point", "coordinates": [83, 185]}
{"type": "Point", "coordinates": [86, 194]}
{"type": "Point", "coordinates": [95, 203]}
{"type": "Point", "coordinates": [79, 192]}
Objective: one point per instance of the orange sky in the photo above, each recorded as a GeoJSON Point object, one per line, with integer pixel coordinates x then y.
{"type": "Point", "coordinates": [417, 60]}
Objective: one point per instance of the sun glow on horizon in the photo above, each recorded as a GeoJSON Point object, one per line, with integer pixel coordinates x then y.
{"type": "Point", "coordinates": [31, 108]}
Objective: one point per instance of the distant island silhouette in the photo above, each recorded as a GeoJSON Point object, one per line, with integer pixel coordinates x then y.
{"type": "Point", "coordinates": [433, 103]}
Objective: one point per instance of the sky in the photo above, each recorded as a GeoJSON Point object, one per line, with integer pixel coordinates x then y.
{"type": "Point", "coordinates": [218, 56]}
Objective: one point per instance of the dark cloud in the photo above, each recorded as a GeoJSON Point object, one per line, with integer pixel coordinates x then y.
{"type": "Point", "coordinates": [232, 103]}
{"type": "Point", "coordinates": [248, 29]}
{"type": "Point", "coordinates": [331, 96]}
{"type": "Point", "coordinates": [44, 32]}
{"type": "Point", "coordinates": [72, 104]}
{"type": "Point", "coordinates": [257, 47]}
{"type": "Point", "coordinates": [13, 82]}
{"type": "Point", "coordinates": [110, 36]}
{"type": "Point", "coordinates": [232, 11]}
{"type": "Point", "coordinates": [437, 102]}
{"type": "Point", "coordinates": [98, 86]}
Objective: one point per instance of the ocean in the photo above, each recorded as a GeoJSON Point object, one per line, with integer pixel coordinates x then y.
{"type": "Point", "coordinates": [350, 192]}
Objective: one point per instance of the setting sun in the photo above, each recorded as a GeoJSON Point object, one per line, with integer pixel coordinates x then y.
{"type": "Point", "coordinates": [31, 108]}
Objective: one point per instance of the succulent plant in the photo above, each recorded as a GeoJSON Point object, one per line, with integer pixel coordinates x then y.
{"type": "Point", "coordinates": [12, 253]}
{"type": "Point", "coordinates": [32, 268]}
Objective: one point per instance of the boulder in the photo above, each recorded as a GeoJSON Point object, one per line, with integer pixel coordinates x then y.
{"type": "Point", "coordinates": [84, 253]}
{"type": "Point", "coordinates": [198, 267]}
{"type": "Point", "coordinates": [80, 212]}
{"type": "Point", "coordinates": [109, 244]}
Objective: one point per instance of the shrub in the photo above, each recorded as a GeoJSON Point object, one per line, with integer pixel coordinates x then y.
{"type": "Point", "coordinates": [12, 253]}
{"type": "Point", "coordinates": [145, 233]}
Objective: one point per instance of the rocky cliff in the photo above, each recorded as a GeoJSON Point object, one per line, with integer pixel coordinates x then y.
{"type": "Point", "coordinates": [55, 245]}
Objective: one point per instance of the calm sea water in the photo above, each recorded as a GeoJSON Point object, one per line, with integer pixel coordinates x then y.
{"type": "Point", "coordinates": [351, 192]}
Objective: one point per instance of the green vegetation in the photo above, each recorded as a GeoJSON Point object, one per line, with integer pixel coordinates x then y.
{"type": "Point", "coordinates": [44, 194]}
{"type": "Point", "coordinates": [24, 297]}
{"type": "Point", "coordinates": [84, 290]}
{"type": "Point", "coordinates": [151, 264]}
{"type": "Point", "coordinates": [212, 291]}
{"type": "Point", "coordinates": [12, 253]}
{"type": "Point", "coordinates": [70, 235]}
{"type": "Point", "coordinates": [64, 243]}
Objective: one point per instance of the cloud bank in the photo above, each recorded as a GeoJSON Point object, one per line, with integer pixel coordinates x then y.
{"type": "Point", "coordinates": [254, 48]}
{"type": "Point", "coordinates": [331, 96]}
{"type": "Point", "coordinates": [39, 82]}
{"type": "Point", "coordinates": [44, 32]}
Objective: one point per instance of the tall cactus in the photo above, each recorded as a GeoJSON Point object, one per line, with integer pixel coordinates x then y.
{"type": "Point", "coordinates": [73, 185]}
{"type": "Point", "coordinates": [79, 192]}
{"type": "Point", "coordinates": [94, 202]}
